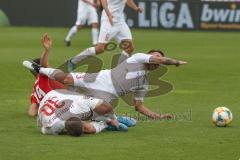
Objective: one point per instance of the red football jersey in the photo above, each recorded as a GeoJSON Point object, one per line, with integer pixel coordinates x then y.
{"type": "Point", "coordinates": [42, 86]}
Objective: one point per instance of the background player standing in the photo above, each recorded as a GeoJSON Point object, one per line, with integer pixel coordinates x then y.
{"type": "Point", "coordinates": [86, 12]}
{"type": "Point", "coordinates": [113, 26]}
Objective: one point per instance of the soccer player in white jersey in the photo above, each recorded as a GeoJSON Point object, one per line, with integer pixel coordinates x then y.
{"type": "Point", "coordinates": [58, 107]}
{"type": "Point", "coordinates": [113, 26]}
{"type": "Point", "coordinates": [128, 77]}
{"type": "Point", "coordinates": [86, 12]}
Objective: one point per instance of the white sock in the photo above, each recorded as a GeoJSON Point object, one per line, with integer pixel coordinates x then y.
{"type": "Point", "coordinates": [124, 55]}
{"type": "Point", "coordinates": [48, 72]}
{"type": "Point", "coordinates": [84, 54]}
{"type": "Point", "coordinates": [71, 33]}
{"type": "Point", "coordinates": [99, 126]}
{"type": "Point", "coordinates": [94, 36]}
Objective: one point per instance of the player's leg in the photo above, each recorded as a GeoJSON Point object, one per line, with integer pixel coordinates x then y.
{"type": "Point", "coordinates": [71, 33]}
{"type": "Point", "coordinates": [81, 19]}
{"type": "Point", "coordinates": [107, 32]}
{"type": "Point", "coordinates": [52, 73]}
{"type": "Point", "coordinates": [92, 51]}
{"type": "Point", "coordinates": [124, 37]}
{"type": "Point", "coordinates": [95, 33]}
{"type": "Point", "coordinates": [93, 20]}
{"type": "Point", "coordinates": [103, 108]}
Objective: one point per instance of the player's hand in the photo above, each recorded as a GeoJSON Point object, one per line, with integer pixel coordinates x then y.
{"type": "Point", "coordinates": [110, 18]}
{"type": "Point", "coordinates": [138, 9]}
{"type": "Point", "coordinates": [162, 116]}
{"type": "Point", "coordinates": [181, 63]}
{"type": "Point", "coordinates": [46, 41]}
{"type": "Point", "coordinates": [166, 116]}
{"type": "Point", "coordinates": [114, 122]}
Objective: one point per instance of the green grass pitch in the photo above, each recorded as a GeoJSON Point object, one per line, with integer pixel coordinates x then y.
{"type": "Point", "coordinates": [211, 79]}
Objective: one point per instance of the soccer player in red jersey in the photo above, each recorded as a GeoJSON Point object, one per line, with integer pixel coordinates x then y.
{"type": "Point", "coordinates": [43, 84]}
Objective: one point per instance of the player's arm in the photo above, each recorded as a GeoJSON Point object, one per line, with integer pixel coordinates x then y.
{"type": "Point", "coordinates": [33, 110]}
{"type": "Point", "coordinates": [166, 61]}
{"type": "Point", "coordinates": [47, 44]}
{"type": "Point", "coordinates": [139, 107]}
{"type": "Point", "coordinates": [133, 5]}
{"type": "Point", "coordinates": [105, 7]}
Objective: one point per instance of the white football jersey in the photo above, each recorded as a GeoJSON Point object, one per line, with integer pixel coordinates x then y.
{"type": "Point", "coordinates": [116, 8]}
{"type": "Point", "coordinates": [60, 105]}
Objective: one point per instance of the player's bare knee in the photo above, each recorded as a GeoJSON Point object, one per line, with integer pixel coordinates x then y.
{"type": "Point", "coordinates": [68, 80]}
{"type": "Point", "coordinates": [127, 46]}
{"type": "Point", "coordinates": [103, 108]}
{"type": "Point", "coordinates": [130, 50]}
{"type": "Point", "coordinates": [108, 107]}
{"type": "Point", "coordinates": [100, 48]}
{"type": "Point", "coordinates": [95, 25]}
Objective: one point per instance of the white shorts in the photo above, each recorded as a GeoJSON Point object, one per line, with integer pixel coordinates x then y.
{"type": "Point", "coordinates": [97, 85]}
{"type": "Point", "coordinates": [86, 15]}
{"type": "Point", "coordinates": [60, 105]}
{"type": "Point", "coordinates": [119, 31]}
{"type": "Point", "coordinates": [102, 81]}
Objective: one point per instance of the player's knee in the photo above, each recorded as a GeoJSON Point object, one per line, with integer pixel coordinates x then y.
{"type": "Point", "coordinates": [127, 46]}
{"type": "Point", "coordinates": [130, 50]}
{"type": "Point", "coordinates": [100, 48]}
{"type": "Point", "coordinates": [95, 25]}
{"type": "Point", "coordinates": [108, 107]}
{"type": "Point", "coordinates": [103, 108]}
{"type": "Point", "coordinates": [68, 80]}
{"type": "Point", "coordinates": [74, 127]}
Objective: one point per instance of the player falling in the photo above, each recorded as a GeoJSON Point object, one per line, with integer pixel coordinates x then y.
{"type": "Point", "coordinates": [86, 13]}
{"type": "Point", "coordinates": [64, 111]}
{"type": "Point", "coordinates": [131, 76]}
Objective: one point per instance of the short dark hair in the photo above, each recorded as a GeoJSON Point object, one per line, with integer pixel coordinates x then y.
{"type": "Point", "coordinates": [74, 126]}
{"type": "Point", "coordinates": [155, 50]}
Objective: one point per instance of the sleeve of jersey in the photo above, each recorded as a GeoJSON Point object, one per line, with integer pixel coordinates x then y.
{"type": "Point", "coordinates": [142, 57]}
{"type": "Point", "coordinates": [140, 94]}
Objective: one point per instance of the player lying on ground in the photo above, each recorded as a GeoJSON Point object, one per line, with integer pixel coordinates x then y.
{"type": "Point", "coordinates": [108, 85]}
{"type": "Point", "coordinates": [44, 86]}
{"type": "Point", "coordinates": [86, 12]}
{"type": "Point", "coordinates": [113, 26]}
{"type": "Point", "coordinates": [58, 107]}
